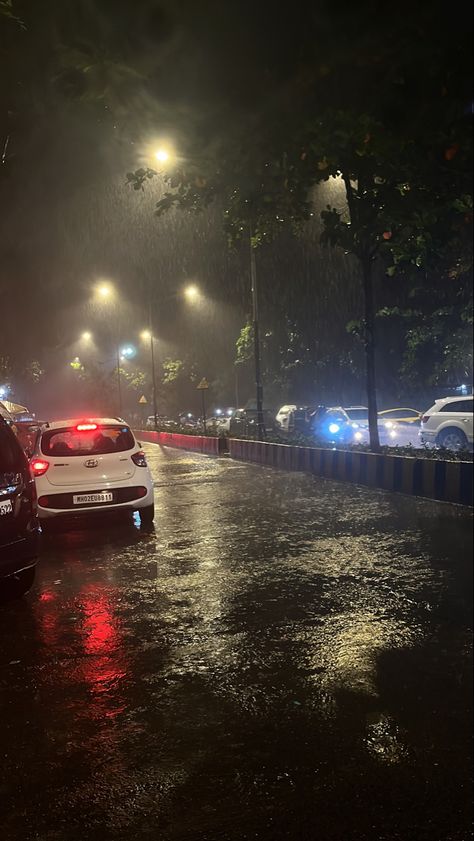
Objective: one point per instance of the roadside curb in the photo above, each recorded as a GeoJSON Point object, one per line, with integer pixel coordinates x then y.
{"type": "Point", "coordinates": [446, 481]}
{"type": "Point", "coordinates": [194, 443]}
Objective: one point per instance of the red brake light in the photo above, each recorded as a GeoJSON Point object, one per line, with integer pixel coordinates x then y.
{"type": "Point", "coordinates": [425, 418]}
{"type": "Point", "coordinates": [39, 466]}
{"type": "Point", "coordinates": [139, 459]}
{"type": "Point", "coordinates": [86, 427]}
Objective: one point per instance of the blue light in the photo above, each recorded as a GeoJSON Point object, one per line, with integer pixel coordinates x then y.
{"type": "Point", "coordinates": [128, 352]}
{"type": "Point", "coordinates": [333, 428]}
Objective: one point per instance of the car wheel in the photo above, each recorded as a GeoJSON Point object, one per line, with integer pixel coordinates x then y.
{"type": "Point", "coordinates": [20, 583]}
{"type": "Point", "coordinates": [147, 515]}
{"type": "Point", "coordinates": [452, 439]}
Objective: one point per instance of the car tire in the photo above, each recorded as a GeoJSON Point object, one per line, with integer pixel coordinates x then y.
{"type": "Point", "coordinates": [452, 439]}
{"type": "Point", "coordinates": [22, 582]}
{"type": "Point", "coordinates": [147, 515]}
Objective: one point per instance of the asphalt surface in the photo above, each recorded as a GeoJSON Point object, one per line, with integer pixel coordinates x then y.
{"type": "Point", "coordinates": [282, 657]}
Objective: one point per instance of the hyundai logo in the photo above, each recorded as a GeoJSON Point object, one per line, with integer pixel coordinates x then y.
{"type": "Point", "coordinates": [91, 462]}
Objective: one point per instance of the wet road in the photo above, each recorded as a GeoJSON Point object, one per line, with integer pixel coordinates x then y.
{"type": "Point", "coordinates": [283, 657]}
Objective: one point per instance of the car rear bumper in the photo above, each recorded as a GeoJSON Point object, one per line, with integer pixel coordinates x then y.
{"type": "Point", "coordinates": [427, 436]}
{"type": "Point", "coordinates": [61, 504]}
{"type": "Point", "coordinates": [19, 554]}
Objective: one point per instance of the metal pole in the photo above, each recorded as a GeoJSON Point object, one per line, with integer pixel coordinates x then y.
{"type": "Point", "coordinates": [153, 381]}
{"type": "Point", "coordinates": [203, 397]}
{"type": "Point", "coordinates": [256, 343]}
{"type": "Point", "coordinates": [119, 384]}
{"type": "Point", "coordinates": [237, 398]}
{"type": "Point", "coordinates": [153, 374]}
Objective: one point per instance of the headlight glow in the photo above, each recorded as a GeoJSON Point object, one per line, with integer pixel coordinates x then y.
{"type": "Point", "coordinates": [333, 428]}
{"type": "Point", "coordinates": [358, 436]}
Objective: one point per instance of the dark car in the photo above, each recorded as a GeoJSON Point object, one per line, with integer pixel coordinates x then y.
{"type": "Point", "coordinates": [19, 529]}
{"type": "Point", "coordinates": [331, 426]}
{"type": "Point", "coordinates": [244, 422]}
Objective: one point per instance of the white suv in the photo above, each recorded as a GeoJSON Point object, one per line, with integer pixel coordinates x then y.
{"type": "Point", "coordinates": [85, 466]}
{"type": "Point", "coordinates": [448, 423]}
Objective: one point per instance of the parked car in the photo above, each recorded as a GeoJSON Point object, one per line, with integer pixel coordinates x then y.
{"type": "Point", "coordinates": [389, 417]}
{"type": "Point", "coordinates": [244, 422]}
{"type": "Point", "coordinates": [88, 466]}
{"type": "Point", "coordinates": [161, 421]}
{"type": "Point", "coordinates": [284, 416]}
{"type": "Point", "coordinates": [331, 425]}
{"type": "Point", "coordinates": [448, 423]}
{"type": "Point", "coordinates": [19, 528]}
{"type": "Point", "coordinates": [358, 415]}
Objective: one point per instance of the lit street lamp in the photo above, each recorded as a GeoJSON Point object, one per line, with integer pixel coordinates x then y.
{"type": "Point", "coordinates": [191, 292]}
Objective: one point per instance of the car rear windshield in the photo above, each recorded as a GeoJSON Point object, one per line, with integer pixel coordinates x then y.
{"type": "Point", "coordinates": [74, 442]}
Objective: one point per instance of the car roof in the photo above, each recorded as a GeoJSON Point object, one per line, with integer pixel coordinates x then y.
{"type": "Point", "coordinates": [400, 409]}
{"type": "Point", "coordinates": [454, 399]}
{"type": "Point", "coordinates": [61, 424]}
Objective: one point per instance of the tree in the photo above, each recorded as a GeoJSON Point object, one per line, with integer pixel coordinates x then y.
{"type": "Point", "coordinates": [387, 116]}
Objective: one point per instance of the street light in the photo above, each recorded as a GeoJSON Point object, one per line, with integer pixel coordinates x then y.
{"type": "Point", "coordinates": [147, 336]}
{"type": "Point", "coordinates": [164, 154]}
{"type": "Point", "coordinates": [191, 292]}
{"type": "Point", "coordinates": [104, 291]}
{"type": "Point", "coordinates": [86, 336]}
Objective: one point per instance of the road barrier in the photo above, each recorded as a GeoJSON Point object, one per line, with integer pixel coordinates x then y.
{"type": "Point", "coordinates": [195, 443]}
{"type": "Point", "coordinates": [449, 481]}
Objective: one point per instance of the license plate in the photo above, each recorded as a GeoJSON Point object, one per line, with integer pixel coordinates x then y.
{"type": "Point", "coordinates": [85, 499]}
{"type": "Point", "coordinates": [6, 507]}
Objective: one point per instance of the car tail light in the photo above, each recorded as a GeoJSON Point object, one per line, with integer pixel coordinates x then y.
{"type": "Point", "coordinates": [86, 427]}
{"type": "Point", "coordinates": [425, 418]}
{"type": "Point", "coordinates": [39, 466]}
{"type": "Point", "coordinates": [139, 459]}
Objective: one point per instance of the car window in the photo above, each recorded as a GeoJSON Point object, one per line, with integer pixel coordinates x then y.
{"type": "Point", "coordinates": [400, 413]}
{"type": "Point", "coordinates": [357, 414]}
{"type": "Point", "coordinates": [335, 415]}
{"type": "Point", "coordinates": [99, 441]}
{"type": "Point", "coordinates": [11, 455]}
{"type": "Point", "coordinates": [457, 406]}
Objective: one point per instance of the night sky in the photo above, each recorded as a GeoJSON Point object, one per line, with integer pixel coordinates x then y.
{"type": "Point", "coordinates": [68, 217]}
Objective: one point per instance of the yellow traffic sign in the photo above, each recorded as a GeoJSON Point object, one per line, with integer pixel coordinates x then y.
{"type": "Point", "coordinates": [203, 384]}
{"type": "Point", "coordinates": [143, 399]}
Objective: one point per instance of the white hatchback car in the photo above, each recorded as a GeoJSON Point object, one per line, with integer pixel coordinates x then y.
{"type": "Point", "coordinates": [448, 423]}
{"type": "Point", "coordinates": [86, 466]}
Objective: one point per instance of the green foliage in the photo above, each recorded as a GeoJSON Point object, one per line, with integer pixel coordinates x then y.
{"type": "Point", "coordinates": [244, 344]}
{"type": "Point", "coordinates": [172, 370]}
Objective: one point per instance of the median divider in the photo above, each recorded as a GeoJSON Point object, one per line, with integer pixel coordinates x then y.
{"type": "Point", "coordinates": [195, 443]}
{"type": "Point", "coordinates": [448, 481]}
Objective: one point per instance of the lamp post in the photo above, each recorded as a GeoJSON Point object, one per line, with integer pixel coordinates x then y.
{"type": "Point", "coordinates": [105, 293]}
{"type": "Point", "coordinates": [147, 335]}
{"type": "Point", "coordinates": [256, 341]}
